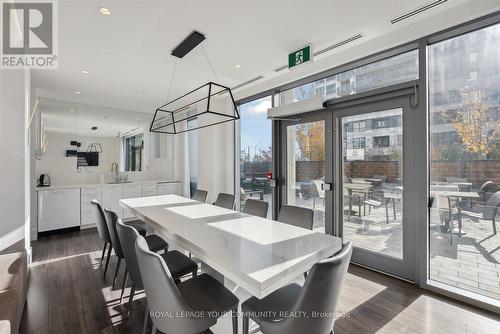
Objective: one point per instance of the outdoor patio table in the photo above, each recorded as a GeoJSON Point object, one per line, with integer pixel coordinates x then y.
{"type": "Point", "coordinates": [395, 194]}
{"type": "Point", "coordinates": [361, 187]}
{"type": "Point", "coordinates": [374, 181]}
{"type": "Point", "coordinates": [458, 196]}
{"type": "Point", "coordinates": [357, 187]}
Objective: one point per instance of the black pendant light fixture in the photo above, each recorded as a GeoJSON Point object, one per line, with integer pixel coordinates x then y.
{"type": "Point", "coordinates": [209, 104]}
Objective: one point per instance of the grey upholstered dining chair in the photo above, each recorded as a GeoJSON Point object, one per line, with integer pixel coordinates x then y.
{"type": "Point", "coordinates": [489, 211]}
{"type": "Point", "coordinates": [203, 298]}
{"type": "Point", "coordinates": [296, 216]}
{"type": "Point", "coordinates": [225, 201]}
{"type": "Point", "coordinates": [102, 228]}
{"type": "Point", "coordinates": [178, 263]}
{"type": "Point", "coordinates": [200, 195]}
{"type": "Point", "coordinates": [319, 295]}
{"type": "Point", "coordinates": [155, 243]}
{"type": "Point", "coordinates": [256, 207]}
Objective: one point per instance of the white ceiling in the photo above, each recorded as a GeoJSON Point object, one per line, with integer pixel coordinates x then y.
{"type": "Point", "coordinates": [128, 57]}
{"type": "Point", "coordinates": [78, 119]}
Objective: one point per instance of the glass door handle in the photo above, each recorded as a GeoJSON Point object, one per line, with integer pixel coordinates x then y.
{"type": "Point", "coordinates": [327, 186]}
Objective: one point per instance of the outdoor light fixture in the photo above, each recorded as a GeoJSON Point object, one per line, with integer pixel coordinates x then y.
{"type": "Point", "coordinates": [207, 105]}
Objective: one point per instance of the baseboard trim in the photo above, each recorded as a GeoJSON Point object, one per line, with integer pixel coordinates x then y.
{"type": "Point", "coordinates": [11, 238]}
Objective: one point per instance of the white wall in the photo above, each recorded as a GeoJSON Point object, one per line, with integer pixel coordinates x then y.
{"type": "Point", "coordinates": [12, 157]}
{"type": "Point", "coordinates": [62, 169]}
{"type": "Point", "coordinates": [216, 156]}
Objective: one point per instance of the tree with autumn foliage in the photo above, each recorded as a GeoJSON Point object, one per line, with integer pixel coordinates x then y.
{"type": "Point", "coordinates": [478, 133]}
{"type": "Point", "coordinates": [311, 141]}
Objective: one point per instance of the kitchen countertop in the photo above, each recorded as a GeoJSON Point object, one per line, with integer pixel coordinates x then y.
{"type": "Point", "coordinates": [87, 185]}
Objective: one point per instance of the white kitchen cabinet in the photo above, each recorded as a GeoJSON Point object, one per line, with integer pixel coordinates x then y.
{"type": "Point", "coordinates": [149, 189]}
{"type": "Point", "coordinates": [89, 214]}
{"type": "Point", "coordinates": [58, 209]}
{"type": "Point", "coordinates": [170, 188]}
{"type": "Point", "coordinates": [111, 196]}
{"type": "Point", "coordinates": [131, 191]}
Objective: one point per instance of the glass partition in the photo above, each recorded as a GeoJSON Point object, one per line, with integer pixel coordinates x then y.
{"type": "Point", "coordinates": [382, 73]}
{"type": "Point", "coordinates": [256, 152]}
{"type": "Point", "coordinates": [464, 158]}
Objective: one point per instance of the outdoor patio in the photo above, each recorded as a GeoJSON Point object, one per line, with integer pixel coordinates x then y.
{"type": "Point", "coordinates": [471, 262]}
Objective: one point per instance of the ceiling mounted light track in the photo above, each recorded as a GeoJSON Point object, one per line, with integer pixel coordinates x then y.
{"type": "Point", "coordinates": [209, 104]}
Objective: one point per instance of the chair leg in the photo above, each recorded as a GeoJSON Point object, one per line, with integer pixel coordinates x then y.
{"type": "Point", "coordinates": [234, 315]}
{"type": "Point", "coordinates": [246, 322]}
{"type": "Point", "coordinates": [146, 320]}
{"type": "Point", "coordinates": [107, 260]}
{"type": "Point", "coordinates": [494, 225]}
{"type": "Point", "coordinates": [132, 292]}
{"type": "Point", "coordinates": [103, 251]}
{"type": "Point", "coordinates": [387, 211]}
{"type": "Point", "coordinates": [116, 271]}
{"type": "Point", "coordinates": [125, 278]}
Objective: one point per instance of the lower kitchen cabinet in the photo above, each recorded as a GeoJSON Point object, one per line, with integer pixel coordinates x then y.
{"type": "Point", "coordinates": [111, 196]}
{"type": "Point", "coordinates": [58, 209]}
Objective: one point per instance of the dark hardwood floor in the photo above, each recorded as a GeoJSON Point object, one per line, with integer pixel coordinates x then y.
{"type": "Point", "coordinates": [67, 294]}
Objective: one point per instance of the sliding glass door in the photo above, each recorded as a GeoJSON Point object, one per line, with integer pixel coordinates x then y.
{"type": "Point", "coordinates": [372, 167]}
{"type": "Point", "coordinates": [307, 168]}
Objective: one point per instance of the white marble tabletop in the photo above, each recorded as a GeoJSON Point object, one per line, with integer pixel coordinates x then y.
{"type": "Point", "coordinates": [259, 255]}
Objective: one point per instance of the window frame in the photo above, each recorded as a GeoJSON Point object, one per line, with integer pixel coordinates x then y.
{"type": "Point", "coordinates": [124, 150]}
{"type": "Point", "coordinates": [421, 123]}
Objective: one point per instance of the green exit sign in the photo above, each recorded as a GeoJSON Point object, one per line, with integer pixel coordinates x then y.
{"type": "Point", "coordinates": [299, 56]}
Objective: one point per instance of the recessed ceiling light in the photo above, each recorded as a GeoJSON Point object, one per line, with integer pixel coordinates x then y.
{"type": "Point", "coordinates": [105, 11]}
{"type": "Point", "coordinates": [84, 72]}
{"type": "Point", "coordinates": [77, 92]}
{"type": "Point", "coordinates": [142, 91]}
{"type": "Point", "coordinates": [71, 110]}
{"type": "Point", "coordinates": [237, 66]}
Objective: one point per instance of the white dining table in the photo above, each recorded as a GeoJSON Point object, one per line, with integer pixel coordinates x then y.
{"type": "Point", "coordinates": [257, 254]}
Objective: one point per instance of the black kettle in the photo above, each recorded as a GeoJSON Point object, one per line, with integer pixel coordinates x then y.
{"type": "Point", "coordinates": [44, 180]}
